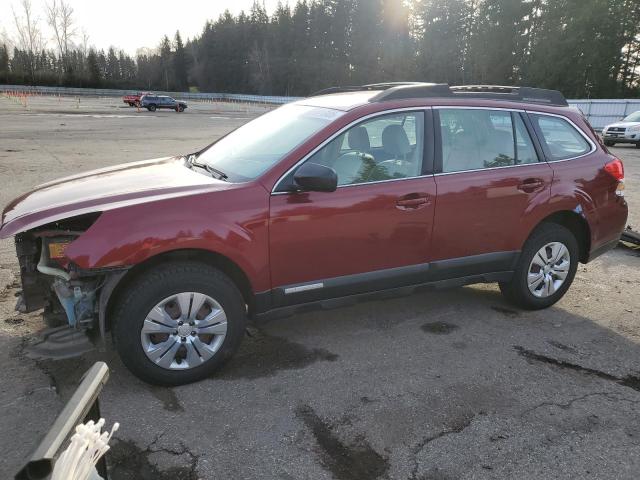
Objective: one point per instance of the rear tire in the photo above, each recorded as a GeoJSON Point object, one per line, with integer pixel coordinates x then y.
{"type": "Point", "coordinates": [207, 350]}
{"type": "Point", "coordinates": [151, 108]}
{"type": "Point", "coordinates": [545, 238]}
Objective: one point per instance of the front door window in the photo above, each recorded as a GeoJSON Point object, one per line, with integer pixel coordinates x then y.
{"type": "Point", "coordinates": [384, 148]}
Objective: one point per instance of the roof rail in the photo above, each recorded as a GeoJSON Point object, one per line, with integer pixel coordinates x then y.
{"type": "Point", "coordinates": [521, 94]}
{"type": "Point", "coordinates": [406, 90]}
{"type": "Point", "coordinates": [360, 88]}
{"type": "Point", "coordinates": [413, 90]}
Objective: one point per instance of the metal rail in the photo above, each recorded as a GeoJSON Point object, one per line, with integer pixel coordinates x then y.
{"type": "Point", "coordinates": [104, 92]}
{"type": "Point", "coordinates": [82, 406]}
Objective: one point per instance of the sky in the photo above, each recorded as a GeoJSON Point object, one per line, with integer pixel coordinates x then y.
{"type": "Point", "coordinates": [132, 24]}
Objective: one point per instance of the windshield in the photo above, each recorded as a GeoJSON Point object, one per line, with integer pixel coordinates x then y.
{"type": "Point", "coordinates": [253, 148]}
{"type": "Point", "coordinates": [634, 117]}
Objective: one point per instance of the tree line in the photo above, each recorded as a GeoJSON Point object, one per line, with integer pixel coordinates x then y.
{"type": "Point", "coordinates": [585, 48]}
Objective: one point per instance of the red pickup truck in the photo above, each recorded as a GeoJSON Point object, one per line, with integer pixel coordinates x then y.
{"type": "Point", "coordinates": [134, 100]}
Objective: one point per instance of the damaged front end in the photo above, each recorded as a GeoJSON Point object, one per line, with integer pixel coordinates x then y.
{"type": "Point", "coordinates": [51, 281]}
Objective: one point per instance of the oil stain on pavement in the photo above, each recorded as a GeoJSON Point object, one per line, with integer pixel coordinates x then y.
{"type": "Point", "coordinates": [631, 381]}
{"type": "Point", "coordinates": [346, 462]}
{"type": "Point", "coordinates": [439, 328]}
{"type": "Point", "coordinates": [262, 355]}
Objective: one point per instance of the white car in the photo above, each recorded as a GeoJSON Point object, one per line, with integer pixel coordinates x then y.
{"type": "Point", "coordinates": [625, 131]}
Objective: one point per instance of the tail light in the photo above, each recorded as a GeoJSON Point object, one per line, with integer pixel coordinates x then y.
{"type": "Point", "coordinates": [615, 168]}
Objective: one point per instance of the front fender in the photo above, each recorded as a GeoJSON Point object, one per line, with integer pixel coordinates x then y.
{"type": "Point", "coordinates": [128, 236]}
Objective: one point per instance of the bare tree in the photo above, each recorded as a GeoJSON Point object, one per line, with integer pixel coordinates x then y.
{"type": "Point", "coordinates": [60, 19]}
{"type": "Point", "coordinates": [29, 34]}
{"type": "Point", "coordinates": [6, 40]}
{"type": "Point", "coordinates": [84, 43]}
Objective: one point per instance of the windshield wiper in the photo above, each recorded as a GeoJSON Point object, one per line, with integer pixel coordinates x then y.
{"type": "Point", "coordinates": [219, 174]}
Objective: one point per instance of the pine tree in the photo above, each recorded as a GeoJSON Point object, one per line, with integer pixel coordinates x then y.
{"type": "Point", "coordinates": [113, 67]}
{"type": "Point", "coordinates": [443, 40]}
{"type": "Point", "coordinates": [397, 57]}
{"type": "Point", "coordinates": [4, 64]}
{"type": "Point", "coordinates": [281, 31]}
{"type": "Point", "coordinates": [366, 35]}
{"type": "Point", "coordinates": [166, 64]}
{"type": "Point", "coordinates": [93, 69]}
{"type": "Point", "coordinates": [180, 64]}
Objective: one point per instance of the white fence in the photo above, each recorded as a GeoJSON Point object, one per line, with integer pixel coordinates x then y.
{"type": "Point", "coordinates": [105, 92]}
{"type": "Point", "coordinates": [599, 112]}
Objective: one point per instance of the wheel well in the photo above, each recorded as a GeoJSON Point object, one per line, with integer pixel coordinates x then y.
{"type": "Point", "coordinates": [577, 225]}
{"type": "Point", "coordinates": [227, 266]}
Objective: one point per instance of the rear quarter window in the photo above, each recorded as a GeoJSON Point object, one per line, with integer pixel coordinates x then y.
{"type": "Point", "coordinates": [560, 138]}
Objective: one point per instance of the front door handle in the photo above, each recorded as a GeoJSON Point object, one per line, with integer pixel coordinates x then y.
{"type": "Point", "coordinates": [412, 201]}
{"type": "Point", "coordinates": [531, 185]}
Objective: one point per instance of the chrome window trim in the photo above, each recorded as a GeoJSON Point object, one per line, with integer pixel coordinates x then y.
{"type": "Point", "coordinates": [575, 127]}
{"type": "Point", "coordinates": [381, 181]}
{"type": "Point", "coordinates": [490, 168]}
{"type": "Point", "coordinates": [340, 132]}
{"type": "Point", "coordinates": [461, 107]}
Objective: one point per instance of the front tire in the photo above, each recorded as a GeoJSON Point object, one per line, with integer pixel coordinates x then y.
{"type": "Point", "coordinates": [545, 270]}
{"type": "Point", "coordinates": [638, 145]}
{"type": "Point", "coordinates": [609, 143]}
{"type": "Point", "coordinates": [178, 323]}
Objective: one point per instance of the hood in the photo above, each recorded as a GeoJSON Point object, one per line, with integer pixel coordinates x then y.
{"type": "Point", "coordinates": [623, 125]}
{"type": "Point", "coordinates": [105, 189]}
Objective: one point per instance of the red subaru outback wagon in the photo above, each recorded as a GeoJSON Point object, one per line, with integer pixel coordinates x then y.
{"type": "Point", "coordinates": [325, 200]}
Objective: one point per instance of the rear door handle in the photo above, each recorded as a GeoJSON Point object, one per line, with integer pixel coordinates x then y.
{"type": "Point", "coordinates": [531, 185]}
{"type": "Point", "coordinates": [411, 202]}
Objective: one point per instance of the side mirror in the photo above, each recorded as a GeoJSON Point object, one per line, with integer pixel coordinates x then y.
{"type": "Point", "coordinates": [313, 177]}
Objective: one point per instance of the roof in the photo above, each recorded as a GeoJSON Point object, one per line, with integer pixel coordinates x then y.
{"type": "Point", "coordinates": [340, 101]}
{"type": "Point", "coordinates": [348, 98]}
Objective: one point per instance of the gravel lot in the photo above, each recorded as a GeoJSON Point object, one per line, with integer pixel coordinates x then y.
{"type": "Point", "coordinates": [442, 385]}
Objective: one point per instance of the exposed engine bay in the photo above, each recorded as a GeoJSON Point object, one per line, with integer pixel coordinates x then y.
{"type": "Point", "coordinates": [51, 281]}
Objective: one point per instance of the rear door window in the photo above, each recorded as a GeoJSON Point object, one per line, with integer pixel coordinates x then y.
{"type": "Point", "coordinates": [475, 139]}
{"type": "Point", "coordinates": [560, 139]}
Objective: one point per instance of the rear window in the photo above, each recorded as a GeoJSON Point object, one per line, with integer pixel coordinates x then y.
{"type": "Point", "coordinates": [561, 139]}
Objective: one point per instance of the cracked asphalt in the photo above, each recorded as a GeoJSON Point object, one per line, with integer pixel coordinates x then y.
{"type": "Point", "coordinates": [450, 384]}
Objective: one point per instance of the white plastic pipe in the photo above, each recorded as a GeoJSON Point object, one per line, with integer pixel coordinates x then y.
{"type": "Point", "coordinates": [43, 268]}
